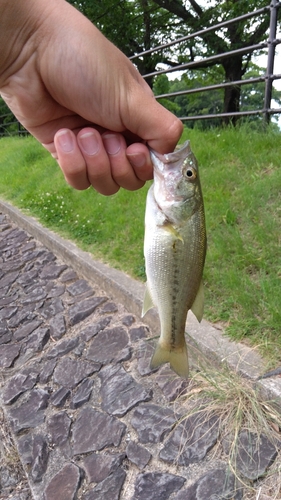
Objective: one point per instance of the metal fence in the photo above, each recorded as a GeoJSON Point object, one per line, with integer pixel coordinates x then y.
{"type": "Point", "coordinates": [10, 126]}
{"type": "Point", "coordinates": [266, 110]}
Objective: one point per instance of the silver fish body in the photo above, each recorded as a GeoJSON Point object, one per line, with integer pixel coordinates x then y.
{"type": "Point", "coordinates": [174, 249]}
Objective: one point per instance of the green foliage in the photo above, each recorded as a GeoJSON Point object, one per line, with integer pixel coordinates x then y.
{"type": "Point", "coordinates": [252, 95]}
{"type": "Point", "coordinates": [241, 178]}
{"type": "Point", "coordinates": [193, 104]}
{"type": "Point", "coordinates": [8, 124]}
{"type": "Point", "coordinates": [211, 101]}
{"type": "Point", "coordinates": [138, 25]}
{"type": "Point", "coordinates": [133, 26]}
{"type": "Point", "coordinates": [143, 24]}
{"type": "Point", "coordinates": [162, 86]}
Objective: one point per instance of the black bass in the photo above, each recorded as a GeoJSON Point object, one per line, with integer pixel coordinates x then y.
{"type": "Point", "coordinates": [174, 250]}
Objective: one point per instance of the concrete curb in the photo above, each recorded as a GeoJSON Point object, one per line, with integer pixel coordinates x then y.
{"type": "Point", "coordinates": [204, 339]}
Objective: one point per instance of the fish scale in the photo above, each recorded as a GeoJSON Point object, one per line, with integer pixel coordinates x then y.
{"type": "Point", "coordinates": [174, 248]}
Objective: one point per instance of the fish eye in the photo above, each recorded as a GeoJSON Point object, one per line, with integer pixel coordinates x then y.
{"type": "Point", "coordinates": [191, 173]}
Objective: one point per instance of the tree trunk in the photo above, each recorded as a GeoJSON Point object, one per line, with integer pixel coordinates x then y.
{"type": "Point", "coordinates": [147, 64]}
{"type": "Point", "coordinates": [233, 68]}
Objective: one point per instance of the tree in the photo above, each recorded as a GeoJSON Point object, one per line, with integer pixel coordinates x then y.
{"type": "Point", "coordinates": [139, 25]}
{"type": "Point", "coordinates": [134, 27]}
{"type": "Point", "coordinates": [252, 95]}
{"type": "Point", "coordinates": [209, 102]}
{"type": "Point", "coordinates": [239, 35]}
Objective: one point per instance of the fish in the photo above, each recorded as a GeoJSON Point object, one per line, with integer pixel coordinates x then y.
{"type": "Point", "coordinates": [174, 251]}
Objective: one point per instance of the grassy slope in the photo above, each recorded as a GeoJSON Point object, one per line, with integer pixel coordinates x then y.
{"type": "Point", "coordinates": [109, 227]}
{"type": "Point", "coordinates": [241, 180]}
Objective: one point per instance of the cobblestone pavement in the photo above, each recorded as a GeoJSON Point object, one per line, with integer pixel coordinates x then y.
{"type": "Point", "coordinates": [89, 419]}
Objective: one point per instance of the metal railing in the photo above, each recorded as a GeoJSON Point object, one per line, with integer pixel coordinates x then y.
{"type": "Point", "coordinates": [268, 77]}
{"type": "Point", "coordinates": [10, 126]}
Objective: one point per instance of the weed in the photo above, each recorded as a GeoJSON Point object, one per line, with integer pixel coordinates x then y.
{"type": "Point", "coordinates": [9, 459]}
{"type": "Point", "coordinates": [244, 417]}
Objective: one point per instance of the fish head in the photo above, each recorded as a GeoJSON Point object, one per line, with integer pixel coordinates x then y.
{"type": "Point", "coordinates": [177, 190]}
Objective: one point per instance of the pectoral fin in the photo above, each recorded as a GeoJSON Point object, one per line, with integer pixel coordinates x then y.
{"type": "Point", "coordinates": [198, 305]}
{"type": "Point", "coordinates": [172, 230]}
{"type": "Point", "coordinates": [147, 301]}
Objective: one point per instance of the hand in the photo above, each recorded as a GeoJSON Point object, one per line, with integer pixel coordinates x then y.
{"type": "Point", "coordinates": [80, 96]}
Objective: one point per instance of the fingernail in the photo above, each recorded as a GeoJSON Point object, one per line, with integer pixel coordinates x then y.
{"type": "Point", "coordinates": [112, 143]}
{"type": "Point", "coordinates": [89, 143]}
{"type": "Point", "coordinates": [137, 160]}
{"type": "Point", "coordinates": [65, 140]}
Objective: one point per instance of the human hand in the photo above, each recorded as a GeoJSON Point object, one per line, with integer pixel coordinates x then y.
{"type": "Point", "coordinates": [80, 96]}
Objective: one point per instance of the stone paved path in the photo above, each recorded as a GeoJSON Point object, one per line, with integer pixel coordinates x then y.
{"type": "Point", "coordinates": [89, 418]}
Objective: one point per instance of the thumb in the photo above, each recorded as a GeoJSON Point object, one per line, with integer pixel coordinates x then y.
{"type": "Point", "coordinates": [153, 123]}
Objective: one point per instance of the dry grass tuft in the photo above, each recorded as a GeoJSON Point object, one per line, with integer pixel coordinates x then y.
{"type": "Point", "coordinates": [236, 402]}
{"type": "Point", "coordinates": [11, 470]}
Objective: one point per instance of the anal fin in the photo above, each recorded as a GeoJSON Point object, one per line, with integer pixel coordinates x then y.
{"type": "Point", "coordinates": [198, 304]}
{"type": "Point", "coordinates": [147, 301]}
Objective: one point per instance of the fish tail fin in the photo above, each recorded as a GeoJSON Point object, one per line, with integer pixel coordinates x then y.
{"type": "Point", "coordinates": [178, 359]}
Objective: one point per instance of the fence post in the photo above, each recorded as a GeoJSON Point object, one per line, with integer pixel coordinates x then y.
{"type": "Point", "coordinates": [270, 59]}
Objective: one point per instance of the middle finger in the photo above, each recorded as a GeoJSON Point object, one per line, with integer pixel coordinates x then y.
{"type": "Point", "coordinates": [121, 169]}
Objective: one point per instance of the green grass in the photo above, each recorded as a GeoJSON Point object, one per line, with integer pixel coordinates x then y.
{"type": "Point", "coordinates": [109, 227]}
{"type": "Point", "coordinates": [241, 181]}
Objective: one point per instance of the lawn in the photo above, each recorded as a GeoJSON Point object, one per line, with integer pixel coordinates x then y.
{"type": "Point", "coordinates": [241, 181]}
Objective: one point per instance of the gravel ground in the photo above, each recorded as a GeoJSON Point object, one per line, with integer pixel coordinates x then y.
{"type": "Point", "coordinates": [70, 356]}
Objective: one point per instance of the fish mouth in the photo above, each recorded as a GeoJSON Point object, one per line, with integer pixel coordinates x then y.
{"type": "Point", "coordinates": [171, 164]}
{"type": "Point", "coordinates": [168, 175]}
{"type": "Point", "coordinates": [175, 156]}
